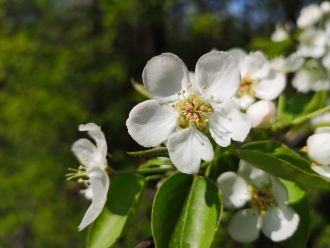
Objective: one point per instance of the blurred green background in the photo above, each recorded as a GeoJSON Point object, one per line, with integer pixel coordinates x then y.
{"type": "Point", "coordinates": [68, 62]}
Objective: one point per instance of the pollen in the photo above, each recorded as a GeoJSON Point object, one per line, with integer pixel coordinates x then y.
{"type": "Point", "coordinates": [247, 86]}
{"type": "Point", "coordinates": [193, 110]}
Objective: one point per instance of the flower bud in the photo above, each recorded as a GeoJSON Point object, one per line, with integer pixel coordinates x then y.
{"type": "Point", "coordinates": [319, 146]}
{"type": "Point", "coordinates": [263, 114]}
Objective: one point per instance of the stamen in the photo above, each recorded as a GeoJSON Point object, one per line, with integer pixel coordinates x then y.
{"type": "Point", "coordinates": [211, 97]}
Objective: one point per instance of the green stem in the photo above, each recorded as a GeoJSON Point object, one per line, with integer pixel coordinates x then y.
{"type": "Point", "coordinates": [140, 171]}
{"type": "Point", "coordinates": [154, 177]}
{"type": "Point", "coordinates": [310, 115]}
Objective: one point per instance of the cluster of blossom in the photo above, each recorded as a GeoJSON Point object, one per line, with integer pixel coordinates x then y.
{"type": "Point", "coordinates": [311, 62]}
{"type": "Point", "coordinates": [228, 93]}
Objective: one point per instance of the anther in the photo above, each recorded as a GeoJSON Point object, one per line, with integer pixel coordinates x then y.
{"type": "Point", "coordinates": [189, 84]}
{"type": "Point", "coordinates": [211, 97]}
{"type": "Point", "coordinates": [204, 87]}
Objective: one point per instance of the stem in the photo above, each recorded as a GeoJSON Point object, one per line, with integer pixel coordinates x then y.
{"type": "Point", "coordinates": [141, 171]}
{"type": "Point", "coordinates": [154, 177]}
{"type": "Point", "coordinates": [310, 115]}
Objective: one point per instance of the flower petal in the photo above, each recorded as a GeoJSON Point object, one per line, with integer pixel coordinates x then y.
{"type": "Point", "coordinates": [309, 15]}
{"type": "Point", "coordinates": [244, 101]}
{"type": "Point", "coordinates": [164, 76]}
{"type": "Point", "coordinates": [86, 152]}
{"type": "Point", "coordinates": [187, 148]}
{"type": "Point", "coordinates": [323, 170]}
{"type": "Point", "coordinates": [238, 55]}
{"type": "Point", "coordinates": [319, 148]}
{"type": "Point", "coordinates": [150, 123]}
{"type": "Point", "coordinates": [100, 185]}
{"type": "Point", "coordinates": [245, 225]}
{"type": "Point", "coordinates": [219, 73]}
{"type": "Point", "coordinates": [252, 175]}
{"type": "Point", "coordinates": [271, 87]}
{"type": "Point", "coordinates": [279, 191]}
{"type": "Point", "coordinates": [280, 223]}
{"type": "Point", "coordinates": [263, 114]}
{"type": "Point", "coordinates": [227, 122]}
{"type": "Point", "coordinates": [256, 66]}
{"type": "Point", "coordinates": [234, 189]}
{"type": "Point", "coordinates": [95, 132]}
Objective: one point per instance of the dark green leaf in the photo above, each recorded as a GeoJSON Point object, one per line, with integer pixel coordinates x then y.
{"type": "Point", "coordinates": [151, 153]}
{"type": "Point", "coordinates": [282, 162]}
{"type": "Point", "coordinates": [298, 201]}
{"type": "Point", "coordinates": [186, 212]}
{"type": "Point", "coordinates": [123, 198]}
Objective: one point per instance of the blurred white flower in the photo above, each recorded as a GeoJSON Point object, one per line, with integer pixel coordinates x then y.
{"type": "Point", "coordinates": [267, 198]}
{"type": "Point", "coordinates": [257, 78]}
{"type": "Point", "coordinates": [308, 16]}
{"type": "Point", "coordinates": [318, 146]}
{"type": "Point", "coordinates": [326, 60]}
{"type": "Point", "coordinates": [291, 63]}
{"type": "Point", "coordinates": [93, 163]}
{"type": "Point", "coordinates": [325, 7]}
{"type": "Point", "coordinates": [263, 114]}
{"type": "Point", "coordinates": [280, 34]}
{"type": "Point", "coordinates": [321, 119]}
{"type": "Point", "coordinates": [310, 79]}
{"type": "Point", "coordinates": [182, 110]}
{"type": "Point", "coordinates": [312, 43]}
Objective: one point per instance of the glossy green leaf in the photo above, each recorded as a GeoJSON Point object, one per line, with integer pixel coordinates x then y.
{"type": "Point", "coordinates": [151, 153]}
{"type": "Point", "coordinates": [298, 201]}
{"type": "Point", "coordinates": [123, 198]}
{"type": "Point", "coordinates": [186, 212]}
{"type": "Point", "coordinates": [282, 162]}
{"type": "Point", "coordinates": [295, 107]}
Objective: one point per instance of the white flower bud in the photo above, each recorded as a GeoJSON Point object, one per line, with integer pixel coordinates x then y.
{"type": "Point", "coordinates": [263, 114]}
{"type": "Point", "coordinates": [309, 15]}
{"type": "Point", "coordinates": [325, 7]}
{"type": "Point", "coordinates": [319, 146]}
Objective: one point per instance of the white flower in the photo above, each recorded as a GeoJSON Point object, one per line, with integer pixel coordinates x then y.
{"type": "Point", "coordinates": [312, 43]}
{"type": "Point", "coordinates": [181, 110]}
{"type": "Point", "coordinates": [325, 7]}
{"type": "Point", "coordinates": [93, 163]}
{"type": "Point", "coordinates": [310, 79]}
{"type": "Point", "coordinates": [309, 15]}
{"type": "Point", "coordinates": [291, 63]}
{"type": "Point", "coordinates": [268, 208]}
{"type": "Point", "coordinates": [326, 60]}
{"type": "Point", "coordinates": [321, 119]}
{"type": "Point", "coordinates": [257, 79]}
{"type": "Point", "coordinates": [280, 34]}
{"type": "Point", "coordinates": [318, 146]}
{"type": "Point", "coordinates": [263, 114]}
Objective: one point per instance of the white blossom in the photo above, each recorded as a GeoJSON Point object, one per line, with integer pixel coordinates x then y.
{"type": "Point", "coordinates": [257, 78]}
{"type": "Point", "coordinates": [291, 63]}
{"type": "Point", "coordinates": [309, 15]}
{"type": "Point", "coordinates": [280, 34]}
{"type": "Point", "coordinates": [321, 119]}
{"type": "Point", "coordinates": [93, 163]}
{"type": "Point", "coordinates": [318, 146]}
{"type": "Point", "coordinates": [312, 43]}
{"type": "Point", "coordinates": [263, 114]}
{"type": "Point", "coordinates": [307, 79]}
{"type": "Point", "coordinates": [325, 7]}
{"type": "Point", "coordinates": [267, 200]}
{"type": "Point", "coordinates": [182, 110]}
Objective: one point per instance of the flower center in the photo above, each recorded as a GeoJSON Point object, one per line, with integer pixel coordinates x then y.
{"type": "Point", "coordinates": [262, 198]}
{"type": "Point", "coordinates": [193, 110]}
{"type": "Point", "coordinates": [247, 85]}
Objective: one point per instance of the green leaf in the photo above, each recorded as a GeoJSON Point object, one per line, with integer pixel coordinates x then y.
{"type": "Point", "coordinates": [140, 88]}
{"type": "Point", "coordinates": [282, 162]}
{"type": "Point", "coordinates": [271, 48]}
{"type": "Point", "coordinates": [123, 199]}
{"type": "Point", "coordinates": [298, 201]}
{"type": "Point", "coordinates": [186, 212]}
{"type": "Point", "coordinates": [151, 153]}
{"type": "Point", "coordinates": [156, 162]}
{"type": "Point", "coordinates": [299, 105]}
